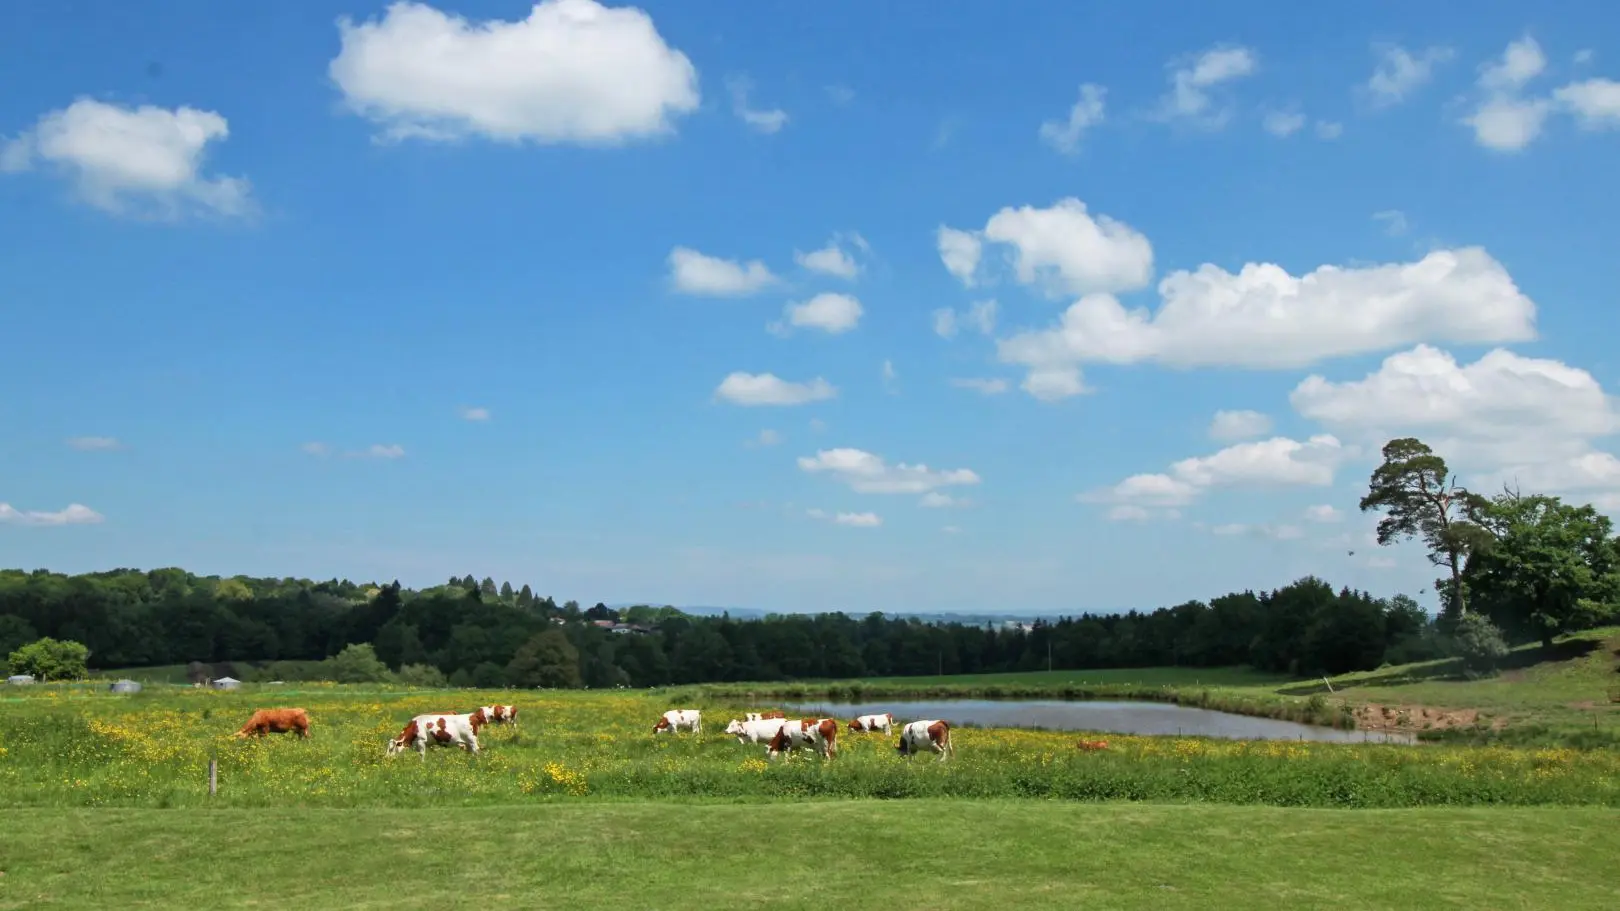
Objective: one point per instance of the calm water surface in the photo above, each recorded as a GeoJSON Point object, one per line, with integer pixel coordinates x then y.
{"type": "Point", "coordinates": [1115, 717]}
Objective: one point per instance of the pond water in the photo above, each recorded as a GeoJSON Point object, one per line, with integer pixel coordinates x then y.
{"type": "Point", "coordinates": [1127, 717]}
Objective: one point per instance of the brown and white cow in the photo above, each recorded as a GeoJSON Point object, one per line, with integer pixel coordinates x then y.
{"type": "Point", "coordinates": [819, 734]}
{"type": "Point", "coordinates": [276, 721]}
{"type": "Point", "coordinates": [441, 730]}
{"type": "Point", "coordinates": [869, 723]}
{"type": "Point", "coordinates": [764, 716]}
{"type": "Point", "coordinates": [680, 719]}
{"type": "Point", "coordinates": [500, 714]}
{"type": "Point", "coordinates": [920, 735]}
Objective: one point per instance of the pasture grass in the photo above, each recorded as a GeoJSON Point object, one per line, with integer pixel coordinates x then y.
{"type": "Point", "coordinates": [932, 854]}
{"type": "Point", "coordinates": [67, 747]}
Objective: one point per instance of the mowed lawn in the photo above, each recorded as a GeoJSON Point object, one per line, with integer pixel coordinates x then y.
{"type": "Point", "coordinates": [923, 854]}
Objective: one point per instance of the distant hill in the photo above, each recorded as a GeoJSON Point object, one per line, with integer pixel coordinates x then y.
{"type": "Point", "coordinates": [754, 613]}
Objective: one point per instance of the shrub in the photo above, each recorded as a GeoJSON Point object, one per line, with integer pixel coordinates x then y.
{"type": "Point", "coordinates": [1478, 643]}
{"type": "Point", "coordinates": [423, 675]}
{"type": "Point", "coordinates": [51, 659]}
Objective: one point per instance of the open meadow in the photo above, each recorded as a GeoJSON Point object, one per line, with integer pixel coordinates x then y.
{"type": "Point", "coordinates": [73, 746]}
{"type": "Point", "coordinates": [581, 805]}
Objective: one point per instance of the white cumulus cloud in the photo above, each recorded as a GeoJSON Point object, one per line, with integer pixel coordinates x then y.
{"type": "Point", "coordinates": [144, 161]}
{"type": "Point", "coordinates": [741, 388]}
{"type": "Point", "coordinates": [1064, 249]}
{"type": "Point", "coordinates": [1502, 417]}
{"type": "Point", "coordinates": [828, 312]}
{"type": "Point", "coordinates": [1595, 103]}
{"type": "Point", "coordinates": [573, 71]}
{"type": "Point", "coordinates": [1263, 317]}
{"type": "Point", "coordinates": [1276, 462]}
{"type": "Point", "coordinates": [866, 472]}
{"type": "Point", "coordinates": [1505, 119]}
{"type": "Point", "coordinates": [960, 251]}
{"type": "Point", "coordinates": [471, 413]}
{"type": "Point", "coordinates": [833, 259]}
{"type": "Point", "coordinates": [696, 273]}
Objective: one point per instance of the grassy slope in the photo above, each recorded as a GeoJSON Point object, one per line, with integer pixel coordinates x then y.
{"type": "Point", "coordinates": [934, 854]}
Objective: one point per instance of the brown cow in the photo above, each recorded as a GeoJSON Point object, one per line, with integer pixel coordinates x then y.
{"type": "Point", "coordinates": [1091, 746]}
{"type": "Point", "coordinates": [276, 721]}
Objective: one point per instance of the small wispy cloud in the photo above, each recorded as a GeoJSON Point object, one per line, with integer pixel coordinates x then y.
{"type": "Point", "coordinates": [74, 514]}
{"type": "Point", "coordinates": [94, 444]}
{"type": "Point", "coordinates": [470, 413]}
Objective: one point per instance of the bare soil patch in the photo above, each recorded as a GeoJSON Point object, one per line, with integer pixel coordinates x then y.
{"type": "Point", "coordinates": [1379, 717]}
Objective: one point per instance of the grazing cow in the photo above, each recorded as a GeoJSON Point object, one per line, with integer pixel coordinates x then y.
{"type": "Point", "coordinates": [819, 734]}
{"type": "Point", "coordinates": [755, 730]}
{"type": "Point", "coordinates": [443, 730]}
{"type": "Point", "coordinates": [870, 723]}
{"type": "Point", "coordinates": [1091, 746]}
{"type": "Point", "coordinates": [764, 716]}
{"type": "Point", "coordinates": [677, 719]}
{"type": "Point", "coordinates": [934, 735]}
{"type": "Point", "coordinates": [276, 721]}
{"type": "Point", "coordinates": [500, 714]}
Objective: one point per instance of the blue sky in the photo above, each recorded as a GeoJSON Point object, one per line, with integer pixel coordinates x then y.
{"type": "Point", "coordinates": [343, 289]}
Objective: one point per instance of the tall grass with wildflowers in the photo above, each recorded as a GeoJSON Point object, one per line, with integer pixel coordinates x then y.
{"type": "Point", "coordinates": [79, 747]}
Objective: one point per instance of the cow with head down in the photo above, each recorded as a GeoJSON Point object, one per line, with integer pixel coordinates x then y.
{"type": "Point", "coordinates": [439, 730]}
{"type": "Point", "coordinates": [930, 735]}
{"type": "Point", "coordinates": [680, 720]}
{"type": "Point", "coordinates": [275, 721]}
{"type": "Point", "coordinates": [819, 734]}
{"type": "Point", "coordinates": [500, 714]}
{"type": "Point", "coordinates": [869, 723]}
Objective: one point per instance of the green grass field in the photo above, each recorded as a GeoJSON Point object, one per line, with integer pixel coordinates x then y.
{"type": "Point", "coordinates": [74, 747]}
{"type": "Point", "coordinates": [932, 854]}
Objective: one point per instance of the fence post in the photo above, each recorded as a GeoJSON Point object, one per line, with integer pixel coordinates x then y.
{"type": "Point", "coordinates": [213, 776]}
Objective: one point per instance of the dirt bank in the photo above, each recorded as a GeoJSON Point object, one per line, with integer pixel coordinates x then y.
{"type": "Point", "coordinates": [1413, 718]}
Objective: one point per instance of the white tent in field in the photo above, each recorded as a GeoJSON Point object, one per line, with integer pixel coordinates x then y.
{"type": "Point", "coordinates": [227, 683]}
{"type": "Point", "coordinates": [20, 679]}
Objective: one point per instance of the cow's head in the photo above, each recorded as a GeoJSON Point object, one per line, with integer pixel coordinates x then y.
{"type": "Point", "coordinates": [855, 726]}
{"type": "Point", "coordinates": [905, 745]}
{"type": "Point", "coordinates": [662, 725]}
{"type": "Point", "coordinates": [403, 740]}
{"type": "Point", "coordinates": [735, 727]}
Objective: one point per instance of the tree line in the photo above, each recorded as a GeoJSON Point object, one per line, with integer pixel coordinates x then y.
{"type": "Point", "coordinates": [1516, 568]}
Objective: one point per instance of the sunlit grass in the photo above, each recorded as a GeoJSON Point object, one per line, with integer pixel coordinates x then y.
{"type": "Point", "coordinates": [152, 750]}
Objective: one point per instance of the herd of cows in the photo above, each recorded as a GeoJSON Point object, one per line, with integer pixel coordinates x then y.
{"type": "Point", "coordinates": [779, 733]}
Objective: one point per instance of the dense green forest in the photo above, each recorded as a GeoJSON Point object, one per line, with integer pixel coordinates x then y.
{"type": "Point", "coordinates": [1515, 567]}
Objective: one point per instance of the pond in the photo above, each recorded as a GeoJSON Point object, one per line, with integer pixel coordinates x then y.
{"type": "Point", "coordinates": [1129, 717]}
